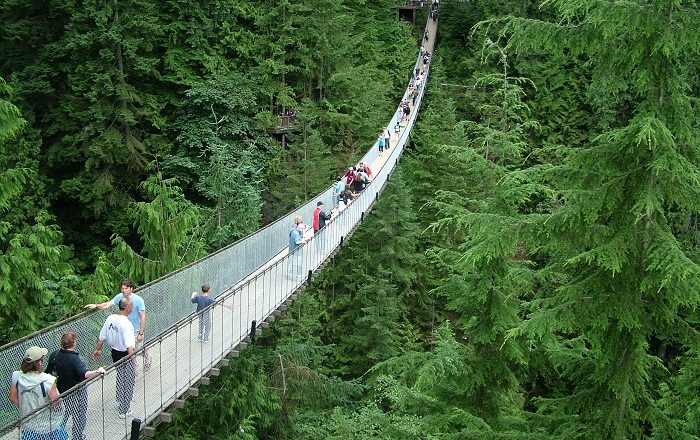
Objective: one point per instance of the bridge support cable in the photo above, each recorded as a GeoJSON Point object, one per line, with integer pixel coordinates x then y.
{"type": "Point", "coordinates": [258, 278]}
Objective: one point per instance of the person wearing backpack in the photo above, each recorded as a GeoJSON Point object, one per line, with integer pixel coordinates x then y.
{"type": "Point", "coordinates": [32, 389]}
{"type": "Point", "coordinates": [70, 370]}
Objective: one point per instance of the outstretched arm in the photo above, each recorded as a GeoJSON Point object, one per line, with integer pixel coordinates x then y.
{"type": "Point", "coordinates": [101, 306]}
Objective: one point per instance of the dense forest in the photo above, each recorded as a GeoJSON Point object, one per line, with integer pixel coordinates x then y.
{"type": "Point", "coordinates": [133, 135]}
{"type": "Point", "coordinates": [530, 272]}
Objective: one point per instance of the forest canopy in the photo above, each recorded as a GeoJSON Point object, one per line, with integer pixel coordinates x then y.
{"type": "Point", "coordinates": [530, 272]}
{"type": "Point", "coordinates": [119, 118]}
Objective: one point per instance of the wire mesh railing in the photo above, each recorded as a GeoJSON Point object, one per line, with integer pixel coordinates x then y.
{"type": "Point", "coordinates": [250, 280]}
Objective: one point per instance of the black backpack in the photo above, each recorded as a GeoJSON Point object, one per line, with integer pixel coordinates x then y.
{"type": "Point", "coordinates": [50, 366]}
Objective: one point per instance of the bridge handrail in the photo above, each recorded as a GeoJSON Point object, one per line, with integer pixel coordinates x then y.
{"type": "Point", "coordinates": [308, 257]}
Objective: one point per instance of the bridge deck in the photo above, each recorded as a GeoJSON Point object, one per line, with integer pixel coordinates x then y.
{"type": "Point", "coordinates": [180, 360]}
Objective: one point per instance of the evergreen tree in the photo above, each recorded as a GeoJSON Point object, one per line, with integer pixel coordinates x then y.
{"type": "Point", "coordinates": [34, 289]}
{"type": "Point", "coordinates": [371, 282]}
{"type": "Point", "coordinates": [487, 272]}
{"type": "Point", "coordinates": [108, 113]}
{"type": "Point", "coordinates": [619, 276]}
{"type": "Point", "coordinates": [247, 408]}
{"type": "Point", "coordinates": [221, 154]}
{"type": "Point", "coordinates": [305, 168]}
{"type": "Point", "coordinates": [169, 229]}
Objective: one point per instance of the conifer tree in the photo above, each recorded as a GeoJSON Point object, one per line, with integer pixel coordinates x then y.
{"type": "Point", "coordinates": [368, 301]}
{"type": "Point", "coordinates": [221, 153]}
{"type": "Point", "coordinates": [488, 272]}
{"type": "Point", "coordinates": [108, 110]}
{"type": "Point", "coordinates": [619, 277]}
{"type": "Point", "coordinates": [32, 256]}
{"type": "Point", "coordinates": [169, 230]}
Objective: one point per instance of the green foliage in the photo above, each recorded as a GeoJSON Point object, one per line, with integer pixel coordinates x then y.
{"type": "Point", "coordinates": [11, 123]}
{"type": "Point", "coordinates": [104, 139]}
{"type": "Point", "coordinates": [168, 226]}
{"type": "Point", "coordinates": [220, 155]}
{"type": "Point", "coordinates": [486, 270]}
{"type": "Point", "coordinates": [373, 281]}
{"type": "Point", "coordinates": [238, 405]}
{"type": "Point", "coordinates": [303, 169]}
{"type": "Point", "coordinates": [35, 286]}
{"type": "Point", "coordinates": [617, 274]}
{"type": "Point", "coordinates": [564, 254]}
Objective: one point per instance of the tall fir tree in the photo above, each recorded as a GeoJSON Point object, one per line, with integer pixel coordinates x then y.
{"type": "Point", "coordinates": [108, 114]}
{"type": "Point", "coordinates": [620, 278]}
{"type": "Point", "coordinates": [221, 153]}
{"type": "Point", "coordinates": [487, 271]}
{"type": "Point", "coordinates": [169, 228]}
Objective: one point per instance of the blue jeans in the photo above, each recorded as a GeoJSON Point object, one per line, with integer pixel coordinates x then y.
{"type": "Point", "coordinates": [205, 325]}
{"type": "Point", "coordinates": [59, 434]}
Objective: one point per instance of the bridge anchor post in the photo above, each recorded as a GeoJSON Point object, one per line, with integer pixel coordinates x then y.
{"type": "Point", "coordinates": [308, 278]}
{"type": "Point", "coordinates": [135, 429]}
{"type": "Point", "coordinates": [252, 331]}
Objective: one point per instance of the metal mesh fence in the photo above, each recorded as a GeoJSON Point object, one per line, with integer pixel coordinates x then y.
{"type": "Point", "coordinates": [250, 280]}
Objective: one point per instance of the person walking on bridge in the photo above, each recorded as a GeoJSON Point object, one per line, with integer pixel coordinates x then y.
{"type": "Point", "coordinates": [364, 168]}
{"type": "Point", "coordinates": [295, 259]}
{"type": "Point", "coordinates": [66, 364]}
{"type": "Point", "coordinates": [338, 188]}
{"type": "Point", "coordinates": [31, 389]}
{"type": "Point", "coordinates": [137, 315]}
{"type": "Point", "coordinates": [320, 217]}
{"type": "Point", "coordinates": [350, 176]}
{"type": "Point", "coordinates": [118, 331]}
{"type": "Point", "coordinates": [203, 301]}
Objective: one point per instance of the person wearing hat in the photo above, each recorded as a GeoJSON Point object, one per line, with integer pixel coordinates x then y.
{"type": "Point", "coordinates": [31, 389]}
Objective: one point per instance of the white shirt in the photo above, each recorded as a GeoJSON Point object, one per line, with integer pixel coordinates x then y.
{"type": "Point", "coordinates": [118, 331]}
{"type": "Point", "coordinates": [386, 133]}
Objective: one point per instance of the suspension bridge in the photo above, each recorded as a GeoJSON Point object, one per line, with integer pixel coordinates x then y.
{"type": "Point", "coordinates": [253, 281]}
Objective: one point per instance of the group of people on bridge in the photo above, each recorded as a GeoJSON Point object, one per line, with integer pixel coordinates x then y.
{"type": "Point", "coordinates": [37, 384]}
{"type": "Point", "coordinates": [41, 381]}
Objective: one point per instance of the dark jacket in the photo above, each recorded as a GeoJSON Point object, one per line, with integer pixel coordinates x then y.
{"type": "Point", "coordinates": [68, 367]}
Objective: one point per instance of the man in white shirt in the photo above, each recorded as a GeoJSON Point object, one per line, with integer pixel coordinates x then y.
{"type": "Point", "coordinates": [137, 316]}
{"type": "Point", "coordinates": [118, 331]}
